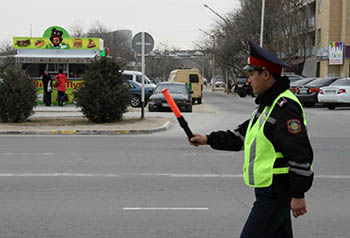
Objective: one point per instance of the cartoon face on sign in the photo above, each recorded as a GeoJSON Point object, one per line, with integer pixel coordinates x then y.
{"type": "Point", "coordinates": [56, 37]}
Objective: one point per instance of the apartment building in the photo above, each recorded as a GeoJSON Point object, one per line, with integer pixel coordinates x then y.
{"type": "Point", "coordinates": [332, 38]}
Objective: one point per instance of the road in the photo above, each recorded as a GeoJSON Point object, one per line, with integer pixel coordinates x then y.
{"type": "Point", "coordinates": [150, 186]}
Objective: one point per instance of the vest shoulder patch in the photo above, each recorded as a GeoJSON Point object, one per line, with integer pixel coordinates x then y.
{"type": "Point", "coordinates": [294, 126]}
{"type": "Point", "coordinates": [282, 102]}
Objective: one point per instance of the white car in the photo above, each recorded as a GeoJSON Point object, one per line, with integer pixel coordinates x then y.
{"type": "Point", "coordinates": [136, 77]}
{"type": "Point", "coordinates": [336, 94]}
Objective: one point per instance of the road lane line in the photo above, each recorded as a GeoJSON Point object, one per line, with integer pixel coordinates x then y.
{"type": "Point", "coordinates": [27, 153]}
{"type": "Point", "coordinates": [166, 208]}
{"type": "Point", "coordinates": [56, 175]}
{"type": "Point", "coordinates": [321, 176]}
{"type": "Point", "coordinates": [208, 155]}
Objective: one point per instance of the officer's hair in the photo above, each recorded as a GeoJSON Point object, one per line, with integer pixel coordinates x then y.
{"type": "Point", "coordinates": [276, 76]}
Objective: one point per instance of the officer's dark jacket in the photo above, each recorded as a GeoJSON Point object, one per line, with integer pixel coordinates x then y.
{"type": "Point", "coordinates": [295, 147]}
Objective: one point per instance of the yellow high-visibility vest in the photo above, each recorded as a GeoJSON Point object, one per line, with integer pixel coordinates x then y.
{"type": "Point", "coordinates": [259, 153]}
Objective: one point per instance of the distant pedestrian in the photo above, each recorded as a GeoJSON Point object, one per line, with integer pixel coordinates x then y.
{"type": "Point", "coordinates": [47, 81]}
{"type": "Point", "coordinates": [61, 80]}
{"type": "Point", "coordinates": [277, 152]}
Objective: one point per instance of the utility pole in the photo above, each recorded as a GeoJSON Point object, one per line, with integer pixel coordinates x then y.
{"type": "Point", "coordinates": [213, 59]}
{"type": "Point", "coordinates": [262, 23]}
{"type": "Point", "coordinates": [227, 24]}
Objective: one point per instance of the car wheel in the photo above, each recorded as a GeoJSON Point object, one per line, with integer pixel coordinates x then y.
{"type": "Point", "coordinates": [331, 106]}
{"type": "Point", "coordinates": [199, 100]}
{"type": "Point", "coordinates": [135, 101]}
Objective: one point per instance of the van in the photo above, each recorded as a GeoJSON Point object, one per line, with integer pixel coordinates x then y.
{"type": "Point", "coordinates": [136, 77]}
{"type": "Point", "coordinates": [193, 80]}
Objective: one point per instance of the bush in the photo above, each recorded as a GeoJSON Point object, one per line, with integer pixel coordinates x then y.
{"type": "Point", "coordinates": [104, 96]}
{"type": "Point", "coordinates": [17, 95]}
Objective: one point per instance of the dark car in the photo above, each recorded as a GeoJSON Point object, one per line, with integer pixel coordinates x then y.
{"type": "Point", "coordinates": [292, 76]}
{"type": "Point", "coordinates": [135, 91]}
{"type": "Point", "coordinates": [179, 92]}
{"type": "Point", "coordinates": [242, 87]}
{"type": "Point", "coordinates": [299, 83]}
{"type": "Point", "coordinates": [307, 94]}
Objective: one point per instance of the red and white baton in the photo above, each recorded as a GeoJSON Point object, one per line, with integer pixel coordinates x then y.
{"type": "Point", "coordinates": [175, 109]}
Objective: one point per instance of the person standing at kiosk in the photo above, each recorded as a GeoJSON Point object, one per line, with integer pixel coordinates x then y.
{"type": "Point", "coordinates": [47, 81]}
{"type": "Point", "coordinates": [61, 81]}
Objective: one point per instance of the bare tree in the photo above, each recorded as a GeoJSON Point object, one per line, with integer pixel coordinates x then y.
{"type": "Point", "coordinates": [285, 32]}
{"type": "Point", "coordinates": [6, 47]}
{"type": "Point", "coordinates": [77, 29]}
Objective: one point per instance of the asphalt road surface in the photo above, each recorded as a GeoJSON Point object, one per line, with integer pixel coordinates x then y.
{"type": "Point", "coordinates": [151, 186]}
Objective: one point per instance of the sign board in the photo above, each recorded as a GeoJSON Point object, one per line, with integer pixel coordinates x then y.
{"type": "Point", "coordinates": [56, 37]}
{"type": "Point", "coordinates": [336, 53]}
{"type": "Point", "coordinates": [137, 43]}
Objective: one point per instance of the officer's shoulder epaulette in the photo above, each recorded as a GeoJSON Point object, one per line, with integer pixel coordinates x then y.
{"type": "Point", "coordinates": [282, 102]}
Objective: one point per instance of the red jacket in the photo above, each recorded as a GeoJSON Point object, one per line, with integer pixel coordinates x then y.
{"type": "Point", "coordinates": [62, 80]}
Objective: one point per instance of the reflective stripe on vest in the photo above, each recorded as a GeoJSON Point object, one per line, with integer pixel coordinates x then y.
{"type": "Point", "coordinates": [260, 155]}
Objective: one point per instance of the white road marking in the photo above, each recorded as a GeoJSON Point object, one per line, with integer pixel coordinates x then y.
{"type": "Point", "coordinates": [167, 208]}
{"type": "Point", "coordinates": [56, 175]}
{"type": "Point", "coordinates": [332, 176]}
{"type": "Point", "coordinates": [199, 154]}
{"type": "Point", "coordinates": [27, 153]}
{"type": "Point", "coordinates": [148, 174]}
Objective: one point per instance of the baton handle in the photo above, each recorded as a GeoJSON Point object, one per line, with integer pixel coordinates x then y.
{"type": "Point", "coordinates": [184, 125]}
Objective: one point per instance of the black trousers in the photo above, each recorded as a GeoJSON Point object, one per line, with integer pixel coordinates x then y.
{"type": "Point", "coordinates": [270, 216]}
{"type": "Point", "coordinates": [47, 98]}
{"type": "Point", "coordinates": [60, 98]}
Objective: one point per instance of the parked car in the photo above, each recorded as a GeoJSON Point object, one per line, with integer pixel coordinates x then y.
{"type": "Point", "coordinates": [242, 87]}
{"type": "Point", "coordinates": [180, 93]}
{"type": "Point", "coordinates": [292, 76]}
{"type": "Point", "coordinates": [299, 83]}
{"type": "Point", "coordinates": [336, 94]}
{"type": "Point", "coordinates": [219, 83]}
{"type": "Point", "coordinates": [136, 77]}
{"type": "Point", "coordinates": [307, 94]}
{"type": "Point", "coordinates": [135, 90]}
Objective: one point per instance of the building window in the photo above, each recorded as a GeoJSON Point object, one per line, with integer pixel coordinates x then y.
{"type": "Point", "coordinates": [320, 5]}
{"type": "Point", "coordinates": [318, 36]}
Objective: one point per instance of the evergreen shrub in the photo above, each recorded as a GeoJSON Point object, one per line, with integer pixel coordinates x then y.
{"type": "Point", "coordinates": [17, 95]}
{"type": "Point", "coordinates": [104, 95]}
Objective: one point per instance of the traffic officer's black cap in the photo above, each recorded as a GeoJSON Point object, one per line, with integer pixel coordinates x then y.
{"type": "Point", "coordinates": [261, 59]}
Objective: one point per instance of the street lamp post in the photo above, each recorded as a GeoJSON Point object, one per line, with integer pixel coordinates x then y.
{"type": "Point", "coordinates": [227, 25]}
{"type": "Point", "coordinates": [262, 23]}
{"type": "Point", "coordinates": [222, 18]}
{"type": "Point", "coordinates": [213, 59]}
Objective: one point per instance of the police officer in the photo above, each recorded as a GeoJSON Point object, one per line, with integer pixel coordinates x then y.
{"type": "Point", "coordinates": [277, 151]}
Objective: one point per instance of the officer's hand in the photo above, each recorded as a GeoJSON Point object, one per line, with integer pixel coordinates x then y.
{"type": "Point", "coordinates": [298, 206]}
{"type": "Point", "coordinates": [197, 140]}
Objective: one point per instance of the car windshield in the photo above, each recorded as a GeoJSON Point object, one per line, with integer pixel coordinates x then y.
{"type": "Point", "coordinates": [320, 82]}
{"type": "Point", "coordinates": [341, 82]}
{"type": "Point", "coordinates": [301, 82]}
{"type": "Point", "coordinates": [241, 80]}
{"type": "Point", "coordinates": [172, 88]}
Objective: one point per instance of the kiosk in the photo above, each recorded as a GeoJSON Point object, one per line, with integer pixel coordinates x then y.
{"type": "Point", "coordinates": [57, 50]}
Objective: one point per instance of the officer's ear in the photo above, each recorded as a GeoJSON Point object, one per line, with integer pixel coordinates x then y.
{"type": "Point", "coordinates": [265, 74]}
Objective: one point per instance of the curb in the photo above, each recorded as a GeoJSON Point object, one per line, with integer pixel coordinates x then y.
{"type": "Point", "coordinates": [164, 127]}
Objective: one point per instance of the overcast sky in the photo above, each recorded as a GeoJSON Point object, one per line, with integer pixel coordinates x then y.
{"type": "Point", "coordinates": [172, 22]}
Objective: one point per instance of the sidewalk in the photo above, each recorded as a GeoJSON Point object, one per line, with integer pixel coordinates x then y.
{"type": "Point", "coordinates": [69, 120]}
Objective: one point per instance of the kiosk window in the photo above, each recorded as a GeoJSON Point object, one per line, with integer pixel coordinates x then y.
{"type": "Point", "coordinates": [194, 78]}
